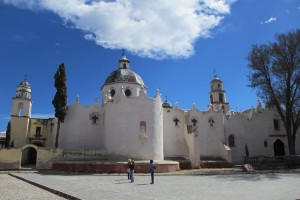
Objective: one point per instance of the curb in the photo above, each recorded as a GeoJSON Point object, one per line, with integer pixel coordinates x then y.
{"type": "Point", "coordinates": [59, 193]}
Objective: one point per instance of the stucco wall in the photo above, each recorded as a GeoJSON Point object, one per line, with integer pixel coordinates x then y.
{"type": "Point", "coordinates": [45, 157]}
{"type": "Point", "coordinates": [123, 134]}
{"type": "Point", "coordinates": [10, 158]}
{"type": "Point", "coordinates": [19, 130]}
{"type": "Point", "coordinates": [174, 143]}
{"type": "Point", "coordinates": [78, 130]}
{"type": "Point", "coordinates": [211, 137]}
{"type": "Point", "coordinates": [253, 128]}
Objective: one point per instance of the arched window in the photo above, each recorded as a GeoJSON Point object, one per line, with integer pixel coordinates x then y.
{"type": "Point", "coordinates": [21, 109]}
{"type": "Point", "coordinates": [231, 141]}
{"type": "Point", "coordinates": [143, 127]}
{"type": "Point", "coordinates": [23, 95]}
{"type": "Point", "coordinates": [211, 99]}
{"type": "Point", "coordinates": [112, 92]}
{"type": "Point", "coordinates": [221, 97]}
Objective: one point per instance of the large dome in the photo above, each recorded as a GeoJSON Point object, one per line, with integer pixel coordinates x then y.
{"type": "Point", "coordinates": [124, 75]}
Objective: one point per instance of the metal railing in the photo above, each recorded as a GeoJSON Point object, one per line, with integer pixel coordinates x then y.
{"type": "Point", "coordinates": [273, 160]}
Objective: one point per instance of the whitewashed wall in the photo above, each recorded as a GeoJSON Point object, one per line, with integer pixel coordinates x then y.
{"type": "Point", "coordinates": [78, 132]}
{"type": "Point", "coordinates": [174, 142]}
{"type": "Point", "coordinates": [123, 134]}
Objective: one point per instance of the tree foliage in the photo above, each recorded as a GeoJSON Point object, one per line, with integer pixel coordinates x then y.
{"type": "Point", "coordinates": [8, 135]}
{"type": "Point", "coordinates": [60, 99]}
{"type": "Point", "coordinates": [275, 73]}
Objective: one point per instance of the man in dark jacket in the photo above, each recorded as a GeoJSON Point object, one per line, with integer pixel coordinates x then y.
{"type": "Point", "coordinates": [152, 170]}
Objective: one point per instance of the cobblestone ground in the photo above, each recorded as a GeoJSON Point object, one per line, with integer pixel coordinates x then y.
{"type": "Point", "coordinates": [270, 186]}
{"type": "Point", "coordinates": [12, 188]}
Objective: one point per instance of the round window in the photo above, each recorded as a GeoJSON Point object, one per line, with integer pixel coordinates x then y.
{"type": "Point", "coordinates": [127, 92]}
{"type": "Point", "coordinates": [112, 92]}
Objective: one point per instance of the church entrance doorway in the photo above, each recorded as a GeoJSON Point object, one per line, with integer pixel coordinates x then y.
{"type": "Point", "coordinates": [29, 155]}
{"type": "Point", "coordinates": [279, 148]}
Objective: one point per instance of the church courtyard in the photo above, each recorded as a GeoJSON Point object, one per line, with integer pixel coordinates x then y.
{"type": "Point", "coordinates": [99, 186]}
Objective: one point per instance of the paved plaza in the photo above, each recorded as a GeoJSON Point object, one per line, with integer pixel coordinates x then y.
{"type": "Point", "coordinates": [273, 186]}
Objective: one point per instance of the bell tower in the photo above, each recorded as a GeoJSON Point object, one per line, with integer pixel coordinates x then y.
{"type": "Point", "coordinates": [20, 114]}
{"type": "Point", "coordinates": [217, 95]}
{"type": "Point", "coordinates": [22, 101]}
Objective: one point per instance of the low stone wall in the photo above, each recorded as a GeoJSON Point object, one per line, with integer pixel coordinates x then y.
{"type": "Point", "coordinates": [45, 157]}
{"type": "Point", "coordinates": [113, 167]}
{"type": "Point", "coordinates": [185, 165]}
{"type": "Point", "coordinates": [89, 161]}
{"type": "Point", "coordinates": [215, 164]}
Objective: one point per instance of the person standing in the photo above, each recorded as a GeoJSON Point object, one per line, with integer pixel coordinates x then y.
{"type": "Point", "coordinates": [131, 167]}
{"type": "Point", "coordinates": [152, 170]}
{"type": "Point", "coordinates": [128, 168]}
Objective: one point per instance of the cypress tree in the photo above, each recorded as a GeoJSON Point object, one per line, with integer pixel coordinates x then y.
{"type": "Point", "coordinates": [60, 99]}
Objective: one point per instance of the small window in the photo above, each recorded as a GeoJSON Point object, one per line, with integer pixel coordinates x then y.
{"type": "Point", "coordinates": [219, 86]}
{"type": "Point", "coordinates": [127, 92]}
{"type": "Point", "coordinates": [38, 131]}
{"type": "Point", "coordinates": [112, 92]}
{"type": "Point", "coordinates": [265, 143]}
{"type": "Point", "coordinates": [143, 127]}
{"type": "Point", "coordinates": [211, 99]}
{"type": "Point", "coordinates": [231, 141]}
{"type": "Point", "coordinates": [276, 124]}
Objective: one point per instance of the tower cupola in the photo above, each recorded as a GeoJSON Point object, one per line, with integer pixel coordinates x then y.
{"type": "Point", "coordinates": [124, 62]}
{"type": "Point", "coordinates": [23, 90]}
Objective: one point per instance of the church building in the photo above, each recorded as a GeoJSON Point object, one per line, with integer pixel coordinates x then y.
{"type": "Point", "coordinates": [129, 124]}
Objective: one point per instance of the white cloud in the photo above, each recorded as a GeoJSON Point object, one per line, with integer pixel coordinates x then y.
{"type": "Point", "coordinates": [150, 28]}
{"type": "Point", "coordinates": [271, 19]}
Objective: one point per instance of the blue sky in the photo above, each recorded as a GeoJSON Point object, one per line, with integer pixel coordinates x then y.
{"type": "Point", "coordinates": [173, 45]}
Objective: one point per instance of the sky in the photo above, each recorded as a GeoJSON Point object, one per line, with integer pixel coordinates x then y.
{"type": "Point", "coordinates": [175, 46]}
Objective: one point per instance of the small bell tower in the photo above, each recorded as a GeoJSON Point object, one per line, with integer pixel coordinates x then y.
{"type": "Point", "coordinates": [20, 114]}
{"type": "Point", "coordinates": [22, 101]}
{"type": "Point", "coordinates": [217, 95]}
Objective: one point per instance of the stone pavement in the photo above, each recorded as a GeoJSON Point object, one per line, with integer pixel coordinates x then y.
{"type": "Point", "coordinates": [12, 188]}
{"type": "Point", "coordinates": [275, 186]}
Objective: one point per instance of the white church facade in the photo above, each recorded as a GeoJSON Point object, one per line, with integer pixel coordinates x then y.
{"type": "Point", "coordinates": [128, 123]}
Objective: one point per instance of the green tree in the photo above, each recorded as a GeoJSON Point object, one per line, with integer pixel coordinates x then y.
{"type": "Point", "coordinates": [60, 99]}
{"type": "Point", "coordinates": [7, 139]}
{"type": "Point", "coordinates": [275, 74]}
